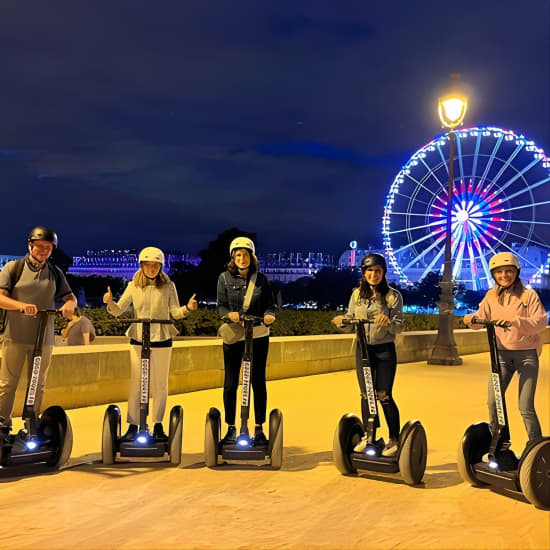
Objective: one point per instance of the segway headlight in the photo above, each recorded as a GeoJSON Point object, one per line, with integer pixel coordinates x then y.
{"type": "Point", "coordinates": [493, 464]}
{"type": "Point", "coordinates": [243, 441]}
{"type": "Point", "coordinates": [371, 451]}
{"type": "Point", "coordinates": [31, 445]}
{"type": "Point", "coordinates": [142, 439]}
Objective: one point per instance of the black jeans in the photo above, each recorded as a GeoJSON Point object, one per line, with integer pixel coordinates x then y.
{"type": "Point", "coordinates": [383, 360]}
{"type": "Point", "coordinates": [232, 359]}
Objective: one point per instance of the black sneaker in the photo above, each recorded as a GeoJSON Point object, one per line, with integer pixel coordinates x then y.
{"type": "Point", "coordinates": [130, 435]}
{"type": "Point", "coordinates": [260, 440]}
{"type": "Point", "coordinates": [230, 437]}
{"type": "Point", "coordinates": [158, 432]}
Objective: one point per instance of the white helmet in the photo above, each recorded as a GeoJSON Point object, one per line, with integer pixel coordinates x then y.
{"type": "Point", "coordinates": [504, 259]}
{"type": "Point", "coordinates": [241, 242]}
{"type": "Point", "coordinates": [152, 254]}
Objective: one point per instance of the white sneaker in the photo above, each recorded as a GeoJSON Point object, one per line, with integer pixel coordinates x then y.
{"type": "Point", "coordinates": [360, 447]}
{"type": "Point", "coordinates": [391, 448]}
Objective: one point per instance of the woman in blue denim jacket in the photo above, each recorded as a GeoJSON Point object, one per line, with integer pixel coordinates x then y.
{"type": "Point", "coordinates": [232, 286]}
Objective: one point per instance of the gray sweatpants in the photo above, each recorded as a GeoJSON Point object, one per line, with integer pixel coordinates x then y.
{"type": "Point", "coordinates": [526, 363]}
{"type": "Point", "coordinates": [14, 357]}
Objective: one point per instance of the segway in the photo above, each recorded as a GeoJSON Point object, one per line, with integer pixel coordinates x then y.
{"type": "Point", "coordinates": [410, 458]}
{"type": "Point", "coordinates": [144, 445]}
{"type": "Point", "coordinates": [528, 474]}
{"type": "Point", "coordinates": [48, 438]}
{"type": "Point", "coordinates": [244, 448]}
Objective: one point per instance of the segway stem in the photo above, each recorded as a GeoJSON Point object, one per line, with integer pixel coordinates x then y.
{"type": "Point", "coordinates": [29, 415]}
{"type": "Point", "coordinates": [248, 321]}
{"type": "Point", "coordinates": [501, 437]}
{"type": "Point", "coordinates": [145, 366]}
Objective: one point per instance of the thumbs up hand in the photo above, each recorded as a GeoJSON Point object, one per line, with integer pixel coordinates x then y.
{"type": "Point", "coordinates": [108, 296]}
{"type": "Point", "coordinates": [192, 304]}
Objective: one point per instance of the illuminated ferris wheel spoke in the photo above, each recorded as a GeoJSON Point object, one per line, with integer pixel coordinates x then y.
{"type": "Point", "coordinates": [425, 251]}
{"type": "Point", "coordinates": [443, 159]}
{"type": "Point", "coordinates": [527, 189]}
{"type": "Point", "coordinates": [403, 248]}
{"type": "Point", "coordinates": [523, 206]}
{"type": "Point", "coordinates": [431, 265]}
{"type": "Point", "coordinates": [484, 263]}
{"type": "Point", "coordinates": [498, 176]}
{"type": "Point", "coordinates": [516, 177]}
{"type": "Point", "coordinates": [421, 185]}
{"type": "Point", "coordinates": [433, 174]}
{"type": "Point", "coordinates": [432, 224]}
{"type": "Point", "coordinates": [505, 165]}
{"type": "Point", "coordinates": [491, 159]}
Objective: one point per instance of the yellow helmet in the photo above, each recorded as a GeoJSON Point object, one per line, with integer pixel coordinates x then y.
{"type": "Point", "coordinates": [241, 242]}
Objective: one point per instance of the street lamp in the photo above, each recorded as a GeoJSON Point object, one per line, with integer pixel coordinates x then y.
{"type": "Point", "coordinates": [452, 108]}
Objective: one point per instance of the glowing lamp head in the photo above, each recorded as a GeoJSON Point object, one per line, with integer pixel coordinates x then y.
{"type": "Point", "coordinates": [493, 465]}
{"type": "Point", "coordinates": [452, 109]}
{"type": "Point", "coordinates": [31, 445]}
{"type": "Point", "coordinates": [141, 439]}
{"type": "Point", "coordinates": [370, 451]}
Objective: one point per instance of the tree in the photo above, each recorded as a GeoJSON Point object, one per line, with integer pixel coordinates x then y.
{"type": "Point", "coordinates": [215, 258]}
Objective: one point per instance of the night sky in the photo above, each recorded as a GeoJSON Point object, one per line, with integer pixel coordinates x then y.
{"type": "Point", "coordinates": [133, 123]}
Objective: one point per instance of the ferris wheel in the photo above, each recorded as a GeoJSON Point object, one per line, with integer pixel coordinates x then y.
{"type": "Point", "coordinates": [500, 204]}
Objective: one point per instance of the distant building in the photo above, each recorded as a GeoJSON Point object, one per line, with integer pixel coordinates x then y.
{"type": "Point", "coordinates": [120, 263]}
{"type": "Point", "coordinates": [291, 266]}
{"type": "Point", "coordinates": [5, 258]}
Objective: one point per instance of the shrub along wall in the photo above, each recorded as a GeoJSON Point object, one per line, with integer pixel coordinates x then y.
{"type": "Point", "coordinates": [290, 322]}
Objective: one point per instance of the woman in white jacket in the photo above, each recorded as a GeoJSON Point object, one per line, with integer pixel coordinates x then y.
{"type": "Point", "coordinates": [153, 295]}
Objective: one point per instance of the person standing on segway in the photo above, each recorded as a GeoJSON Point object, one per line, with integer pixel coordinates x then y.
{"type": "Point", "coordinates": [520, 318]}
{"type": "Point", "coordinates": [232, 288]}
{"type": "Point", "coordinates": [375, 300]}
{"type": "Point", "coordinates": [27, 285]}
{"type": "Point", "coordinates": [153, 296]}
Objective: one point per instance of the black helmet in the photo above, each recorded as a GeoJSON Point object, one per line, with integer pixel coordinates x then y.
{"type": "Point", "coordinates": [374, 259]}
{"type": "Point", "coordinates": [41, 233]}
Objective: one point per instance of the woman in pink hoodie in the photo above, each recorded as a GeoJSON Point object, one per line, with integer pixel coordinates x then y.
{"type": "Point", "coordinates": [521, 319]}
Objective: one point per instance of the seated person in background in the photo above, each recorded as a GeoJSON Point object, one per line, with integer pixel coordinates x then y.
{"type": "Point", "coordinates": [79, 331]}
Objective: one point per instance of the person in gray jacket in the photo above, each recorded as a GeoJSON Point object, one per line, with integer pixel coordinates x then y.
{"type": "Point", "coordinates": [153, 296]}
{"type": "Point", "coordinates": [375, 300]}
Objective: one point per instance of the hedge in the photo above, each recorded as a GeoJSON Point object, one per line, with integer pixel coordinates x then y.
{"type": "Point", "coordinates": [290, 322]}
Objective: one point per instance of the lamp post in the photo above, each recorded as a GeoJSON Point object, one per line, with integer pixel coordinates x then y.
{"type": "Point", "coordinates": [452, 109]}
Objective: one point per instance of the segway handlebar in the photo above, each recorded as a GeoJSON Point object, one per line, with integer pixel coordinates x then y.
{"type": "Point", "coordinates": [246, 317]}
{"type": "Point", "coordinates": [488, 322]}
{"type": "Point", "coordinates": [48, 311]}
{"type": "Point", "coordinates": [355, 321]}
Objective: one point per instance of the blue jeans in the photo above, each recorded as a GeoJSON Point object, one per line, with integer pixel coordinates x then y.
{"type": "Point", "coordinates": [526, 363]}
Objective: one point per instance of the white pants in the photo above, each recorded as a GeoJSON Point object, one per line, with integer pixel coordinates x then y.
{"type": "Point", "coordinates": [158, 383]}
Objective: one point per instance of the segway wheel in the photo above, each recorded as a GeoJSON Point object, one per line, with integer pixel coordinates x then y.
{"type": "Point", "coordinates": [474, 444]}
{"type": "Point", "coordinates": [534, 475]}
{"type": "Point", "coordinates": [212, 434]}
{"type": "Point", "coordinates": [413, 454]}
{"type": "Point", "coordinates": [110, 434]}
{"type": "Point", "coordinates": [275, 442]}
{"type": "Point", "coordinates": [56, 426]}
{"type": "Point", "coordinates": [348, 433]}
{"type": "Point", "coordinates": [176, 434]}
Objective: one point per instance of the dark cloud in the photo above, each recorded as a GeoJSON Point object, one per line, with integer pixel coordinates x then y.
{"type": "Point", "coordinates": [170, 122]}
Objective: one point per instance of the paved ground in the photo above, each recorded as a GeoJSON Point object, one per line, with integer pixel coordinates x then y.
{"type": "Point", "coordinates": [307, 504]}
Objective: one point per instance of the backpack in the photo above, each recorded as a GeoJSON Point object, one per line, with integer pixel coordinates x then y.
{"type": "Point", "coordinates": [14, 278]}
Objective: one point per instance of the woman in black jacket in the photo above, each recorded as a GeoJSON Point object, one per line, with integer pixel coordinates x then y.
{"type": "Point", "coordinates": [232, 287]}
